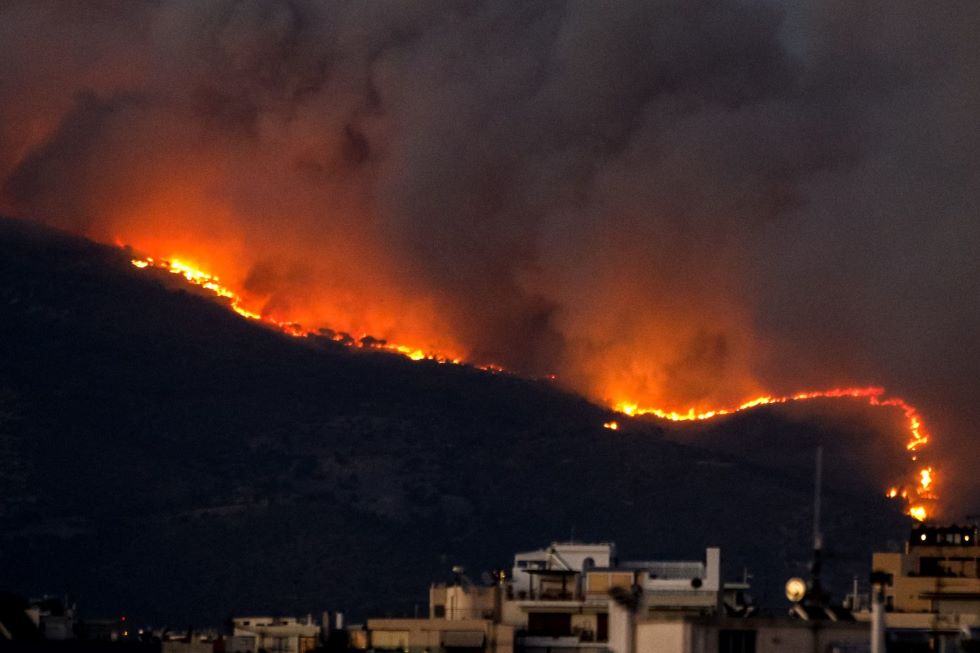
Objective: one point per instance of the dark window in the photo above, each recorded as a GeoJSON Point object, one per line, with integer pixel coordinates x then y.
{"type": "Point", "coordinates": [549, 624]}
{"type": "Point", "coordinates": [438, 611]}
{"type": "Point", "coordinates": [930, 567]}
{"type": "Point", "coordinates": [736, 641]}
{"type": "Point", "coordinates": [602, 627]}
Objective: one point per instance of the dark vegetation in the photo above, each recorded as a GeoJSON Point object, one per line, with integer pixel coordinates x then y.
{"type": "Point", "coordinates": [160, 456]}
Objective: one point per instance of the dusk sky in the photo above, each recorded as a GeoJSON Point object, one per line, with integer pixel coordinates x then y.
{"type": "Point", "coordinates": [680, 204]}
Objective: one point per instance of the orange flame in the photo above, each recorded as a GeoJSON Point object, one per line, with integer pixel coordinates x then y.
{"type": "Point", "coordinates": [918, 435]}
{"type": "Point", "coordinates": [875, 396]}
{"type": "Point", "coordinates": [212, 283]}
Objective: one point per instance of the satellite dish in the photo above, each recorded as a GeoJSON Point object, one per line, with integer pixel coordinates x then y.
{"type": "Point", "coordinates": [795, 589]}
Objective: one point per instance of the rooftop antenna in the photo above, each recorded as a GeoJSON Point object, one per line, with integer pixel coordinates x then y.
{"type": "Point", "coordinates": [818, 478]}
{"type": "Point", "coordinates": [816, 593]}
{"type": "Point", "coordinates": [804, 595]}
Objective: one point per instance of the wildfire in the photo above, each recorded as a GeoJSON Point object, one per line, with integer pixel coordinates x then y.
{"type": "Point", "coordinates": [921, 490]}
{"type": "Point", "coordinates": [212, 283]}
{"type": "Point", "coordinates": [918, 437]}
{"type": "Point", "coordinates": [925, 477]}
{"type": "Point", "coordinates": [918, 512]}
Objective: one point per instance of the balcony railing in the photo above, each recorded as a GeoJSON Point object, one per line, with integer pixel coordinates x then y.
{"type": "Point", "coordinates": [544, 595]}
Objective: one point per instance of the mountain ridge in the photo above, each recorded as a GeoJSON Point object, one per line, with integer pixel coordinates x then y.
{"type": "Point", "coordinates": [164, 457]}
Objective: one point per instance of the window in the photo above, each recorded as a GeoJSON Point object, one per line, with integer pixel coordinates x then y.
{"type": "Point", "coordinates": [736, 641]}
{"type": "Point", "coordinates": [930, 567]}
{"type": "Point", "coordinates": [438, 611]}
{"type": "Point", "coordinates": [549, 624]}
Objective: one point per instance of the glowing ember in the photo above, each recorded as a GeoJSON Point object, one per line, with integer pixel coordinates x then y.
{"type": "Point", "coordinates": [921, 490]}
{"type": "Point", "coordinates": [926, 478]}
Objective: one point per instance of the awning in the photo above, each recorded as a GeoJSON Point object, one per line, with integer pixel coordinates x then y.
{"type": "Point", "coordinates": [462, 639]}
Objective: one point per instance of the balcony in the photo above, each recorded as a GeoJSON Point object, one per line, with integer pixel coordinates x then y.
{"type": "Point", "coordinates": [544, 595]}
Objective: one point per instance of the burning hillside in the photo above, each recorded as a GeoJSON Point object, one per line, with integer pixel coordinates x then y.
{"type": "Point", "coordinates": [213, 284]}
{"type": "Point", "coordinates": [143, 421]}
{"type": "Point", "coordinates": [919, 495]}
{"type": "Point", "coordinates": [675, 208]}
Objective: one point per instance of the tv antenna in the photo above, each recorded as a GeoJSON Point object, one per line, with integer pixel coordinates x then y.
{"type": "Point", "coordinates": [816, 594]}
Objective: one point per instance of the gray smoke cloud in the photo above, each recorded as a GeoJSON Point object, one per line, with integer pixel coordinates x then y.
{"type": "Point", "coordinates": [682, 203]}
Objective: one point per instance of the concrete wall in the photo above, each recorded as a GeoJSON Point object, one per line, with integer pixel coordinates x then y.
{"type": "Point", "coordinates": [771, 635]}
{"type": "Point", "coordinates": [664, 637]}
{"type": "Point", "coordinates": [790, 636]}
{"type": "Point", "coordinates": [598, 583]}
{"type": "Point", "coordinates": [621, 628]}
{"type": "Point", "coordinates": [186, 647]}
{"type": "Point", "coordinates": [428, 634]}
{"type": "Point", "coordinates": [469, 602]}
{"type": "Point", "coordinates": [239, 644]}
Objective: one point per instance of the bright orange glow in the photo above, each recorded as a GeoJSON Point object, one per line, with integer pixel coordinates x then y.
{"type": "Point", "coordinates": [923, 489]}
{"type": "Point", "coordinates": [918, 436]}
{"type": "Point", "coordinates": [212, 284]}
{"type": "Point", "coordinates": [925, 476]}
{"type": "Point", "coordinates": [627, 408]}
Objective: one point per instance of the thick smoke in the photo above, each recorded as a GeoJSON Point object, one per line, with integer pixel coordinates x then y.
{"type": "Point", "coordinates": [680, 203]}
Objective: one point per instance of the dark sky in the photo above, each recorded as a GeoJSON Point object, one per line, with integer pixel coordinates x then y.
{"type": "Point", "coordinates": [679, 203]}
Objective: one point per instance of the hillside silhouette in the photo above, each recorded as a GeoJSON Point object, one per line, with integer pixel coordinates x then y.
{"type": "Point", "coordinates": [163, 458]}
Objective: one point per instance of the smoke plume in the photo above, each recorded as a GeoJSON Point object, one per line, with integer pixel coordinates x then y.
{"type": "Point", "coordinates": [679, 203]}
